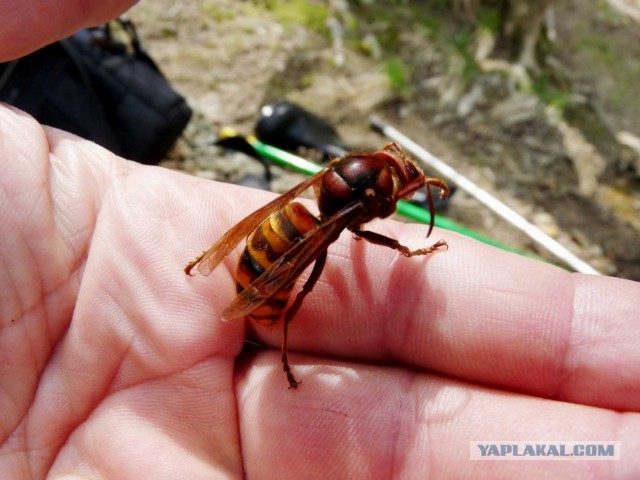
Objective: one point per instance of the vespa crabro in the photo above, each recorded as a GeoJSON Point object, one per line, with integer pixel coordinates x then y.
{"type": "Point", "coordinates": [283, 238]}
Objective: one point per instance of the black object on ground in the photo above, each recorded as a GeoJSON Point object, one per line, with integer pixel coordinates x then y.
{"type": "Point", "coordinates": [288, 126]}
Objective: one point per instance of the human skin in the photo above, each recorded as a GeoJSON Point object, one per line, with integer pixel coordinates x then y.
{"type": "Point", "coordinates": [114, 364]}
{"type": "Point", "coordinates": [26, 25]}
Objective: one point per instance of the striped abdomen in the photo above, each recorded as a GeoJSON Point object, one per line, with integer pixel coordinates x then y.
{"type": "Point", "coordinates": [264, 246]}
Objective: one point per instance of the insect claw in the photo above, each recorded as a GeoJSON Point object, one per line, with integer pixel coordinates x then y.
{"type": "Point", "coordinates": [293, 383]}
{"type": "Point", "coordinates": [440, 243]}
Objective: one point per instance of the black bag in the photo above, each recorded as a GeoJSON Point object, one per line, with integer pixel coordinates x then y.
{"type": "Point", "coordinates": [101, 89]}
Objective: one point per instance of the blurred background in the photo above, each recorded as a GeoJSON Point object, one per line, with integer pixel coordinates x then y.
{"type": "Point", "coordinates": [536, 102]}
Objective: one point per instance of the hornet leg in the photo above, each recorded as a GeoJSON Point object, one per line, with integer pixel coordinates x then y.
{"type": "Point", "coordinates": [293, 309]}
{"type": "Point", "coordinates": [379, 239]}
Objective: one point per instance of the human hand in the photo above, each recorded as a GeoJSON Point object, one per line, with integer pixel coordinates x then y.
{"type": "Point", "coordinates": [116, 365]}
{"type": "Point", "coordinates": [113, 364]}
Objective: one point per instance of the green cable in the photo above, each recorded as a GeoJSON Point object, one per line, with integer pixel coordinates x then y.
{"type": "Point", "coordinates": [405, 209]}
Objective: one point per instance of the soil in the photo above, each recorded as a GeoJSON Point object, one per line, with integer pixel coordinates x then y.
{"type": "Point", "coordinates": [549, 150]}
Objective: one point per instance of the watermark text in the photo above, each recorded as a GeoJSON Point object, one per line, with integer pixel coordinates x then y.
{"type": "Point", "coordinates": [544, 450]}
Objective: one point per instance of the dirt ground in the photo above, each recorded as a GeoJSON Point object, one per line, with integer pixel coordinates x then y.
{"type": "Point", "coordinates": [409, 65]}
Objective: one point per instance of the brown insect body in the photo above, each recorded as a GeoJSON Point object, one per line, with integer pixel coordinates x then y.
{"type": "Point", "coordinates": [284, 238]}
{"type": "Point", "coordinates": [378, 180]}
{"type": "Point", "coordinates": [265, 245]}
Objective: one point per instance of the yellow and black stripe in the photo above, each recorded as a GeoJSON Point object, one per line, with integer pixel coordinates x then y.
{"type": "Point", "coordinates": [265, 245]}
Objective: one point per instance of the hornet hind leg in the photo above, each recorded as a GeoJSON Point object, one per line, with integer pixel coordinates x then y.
{"type": "Point", "coordinates": [293, 309]}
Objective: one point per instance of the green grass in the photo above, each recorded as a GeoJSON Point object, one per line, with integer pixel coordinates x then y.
{"type": "Point", "coordinates": [551, 94]}
{"type": "Point", "coordinates": [311, 14]}
{"type": "Point", "coordinates": [213, 10]}
{"type": "Point", "coordinates": [397, 73]}
{"type": "Point", "coordinates": [462, 44]}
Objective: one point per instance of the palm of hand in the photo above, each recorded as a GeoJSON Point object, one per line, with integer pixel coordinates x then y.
{"type": "Point", "coordinates": [114, 364]}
